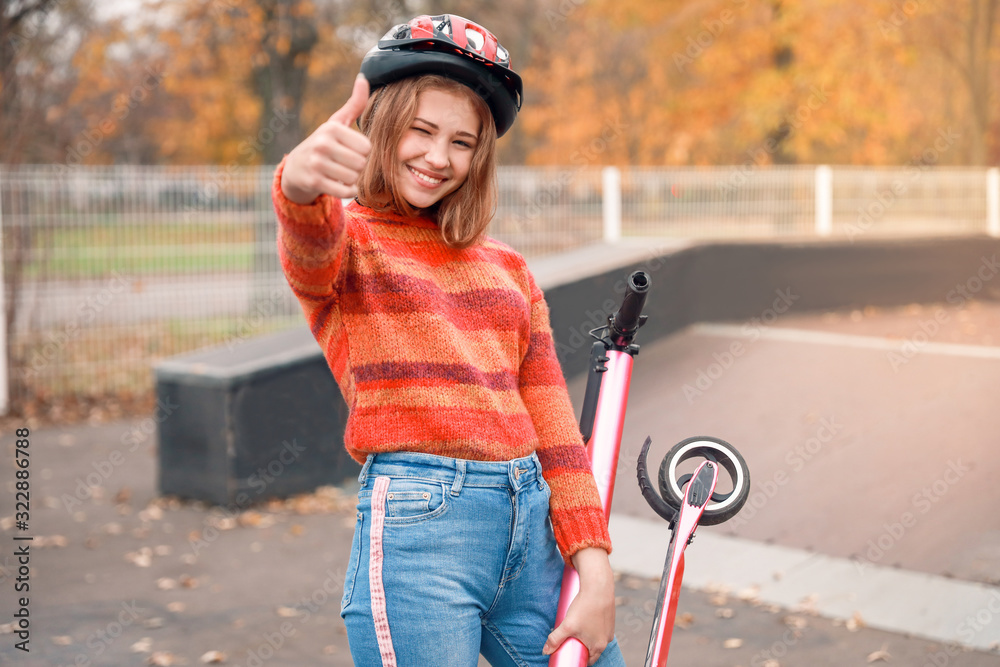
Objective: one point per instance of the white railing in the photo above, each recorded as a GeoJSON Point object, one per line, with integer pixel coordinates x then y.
{"type": "Point", "coordinates": [110, 268]}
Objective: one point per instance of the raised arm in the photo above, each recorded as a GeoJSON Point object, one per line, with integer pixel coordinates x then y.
{"type": "Point", "coordinates": [307, 190]}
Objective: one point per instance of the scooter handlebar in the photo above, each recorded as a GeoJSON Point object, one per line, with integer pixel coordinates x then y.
{"type": "Point", "coordinates": [626, 321]}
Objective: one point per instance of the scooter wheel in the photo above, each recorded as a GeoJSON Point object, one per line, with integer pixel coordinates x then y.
{"type": "Point", "coordinates": [721, 507]}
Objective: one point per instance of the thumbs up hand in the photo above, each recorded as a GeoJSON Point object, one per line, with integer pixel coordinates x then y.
{"type": "Point", "coordinates": [331, 159]}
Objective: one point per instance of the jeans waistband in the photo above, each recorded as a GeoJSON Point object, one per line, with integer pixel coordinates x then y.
{"type": "Point", "coordinates": [514, 474]}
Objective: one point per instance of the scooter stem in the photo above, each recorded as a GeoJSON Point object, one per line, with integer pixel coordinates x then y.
{"type": "Point", "coordinates": [602, 448]}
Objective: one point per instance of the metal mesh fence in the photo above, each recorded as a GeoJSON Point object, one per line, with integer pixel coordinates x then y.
{"type": "Point", "coordinates": [108, 269]}
{"type": "Point", "coordinates": [714, 202]}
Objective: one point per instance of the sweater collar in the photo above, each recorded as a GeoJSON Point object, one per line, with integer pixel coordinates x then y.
{"type": "Point", "coordinates": [392, 217]}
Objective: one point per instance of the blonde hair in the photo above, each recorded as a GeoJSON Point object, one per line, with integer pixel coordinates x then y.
{"type": "Point", "coordinates": [462, 215]}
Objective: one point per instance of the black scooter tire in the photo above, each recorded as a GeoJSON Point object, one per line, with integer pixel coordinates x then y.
{"type": "Point", "coordinates": [715, 449]}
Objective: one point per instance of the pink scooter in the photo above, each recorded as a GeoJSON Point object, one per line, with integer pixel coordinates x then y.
{"type": "Point", "coordinates": [685, 500]}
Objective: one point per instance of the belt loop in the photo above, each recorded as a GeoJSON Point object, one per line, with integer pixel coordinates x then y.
{"type": "Point", "coordinates": [456, 486]}
{"type": "Point", "coordinates": [363, 477]}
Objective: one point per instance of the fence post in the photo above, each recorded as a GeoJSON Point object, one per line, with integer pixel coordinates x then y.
{"type": "Point", "coordinates": [4, 371]}
{"type": "Point", "coordinates": [611, 186]}
{"type": "Point", "coordinates": [824, 200]}
{"type": "Point", "coordinates": [993, 201]}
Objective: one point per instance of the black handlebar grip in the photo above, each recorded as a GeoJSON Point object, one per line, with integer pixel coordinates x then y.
{"type": "Point", "coordinates": [626, 320]}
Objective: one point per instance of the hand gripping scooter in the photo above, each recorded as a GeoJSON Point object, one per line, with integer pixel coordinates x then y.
{"type": "Point", "coordinates": [602, 421]}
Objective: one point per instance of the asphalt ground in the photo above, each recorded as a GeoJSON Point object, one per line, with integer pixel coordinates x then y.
{"type": "Point", "coordinates": [866, 438]}
{"type": "Point", "coordinates": [119, 576]}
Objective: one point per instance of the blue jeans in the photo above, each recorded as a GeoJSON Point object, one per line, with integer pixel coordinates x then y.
{"type": "Point", "coordinates": [450, 559]}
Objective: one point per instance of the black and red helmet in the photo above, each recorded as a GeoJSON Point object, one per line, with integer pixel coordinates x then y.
{"type": "Point", "coordinates": [454, 47]}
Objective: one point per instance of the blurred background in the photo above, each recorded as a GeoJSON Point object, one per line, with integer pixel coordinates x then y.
{"type": "Point", "coordinates": [138, 141]}
{"type": "Point", "coordinates": [138, 138]}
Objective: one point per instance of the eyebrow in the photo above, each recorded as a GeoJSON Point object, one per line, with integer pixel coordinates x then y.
{"type": "Point", "coordinates": [460, 132]}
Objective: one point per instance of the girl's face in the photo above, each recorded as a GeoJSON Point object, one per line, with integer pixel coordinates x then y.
{"type": "Point", "coordinates": [435, 152]}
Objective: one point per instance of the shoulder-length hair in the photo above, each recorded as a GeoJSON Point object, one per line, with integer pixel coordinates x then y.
{"type": "Point", "coordinates": [462, 215]}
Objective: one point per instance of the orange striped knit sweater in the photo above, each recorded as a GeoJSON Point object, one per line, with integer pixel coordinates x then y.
{"type": "Point", "coordinates": [438, 350]}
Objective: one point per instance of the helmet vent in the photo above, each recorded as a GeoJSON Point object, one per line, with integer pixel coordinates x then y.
{"type": "Point", "coordinates": [475, 39]}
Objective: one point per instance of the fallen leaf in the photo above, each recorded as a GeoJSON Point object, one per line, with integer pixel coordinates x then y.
{"type": "Point", "coordinates": [141, 558]}
{"type": "Point", "coordinates": [632, 583]}
{"type": "Point", "coordinates": [162, 659]}
{"type": "Point", "coordinates": [176, 607]}
{"type": "Point", "coordinates": [250, 519]}
{"type": "Point", "coordinates": [144, 645]}
{"type": "Point", "coordinates": [151, 513]}
{"type": "Point", "coordinates": [795, 622]}
{"type": "Point", "coordinates": [166, 584]}
{"type": "Point", "coordinates": [880, 655]}
{"type": "Point", "coordinates": [684, 620]}
{"type": "Point", "coordinates": [62, 640]}
{"type": "Point", "coordinates": [123, 496]}
{"type": "Point", "coordinates": [723, 612]}
{"type": "Point", "coordinates": [855, 622]}
{"type": "Point", "coordinates": [213, 657]}
{"type": "Point", "coordinates": [734, 642]}
{"type": "Point", "coordinates": [287, 612]}
{"type": "Point", "coordinates": [153, 623]}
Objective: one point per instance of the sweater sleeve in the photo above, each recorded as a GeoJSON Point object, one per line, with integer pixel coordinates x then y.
{"type": "Point", "coordinates": [311, 242]}
{"type": "Point", "coordinates": [575, 507]}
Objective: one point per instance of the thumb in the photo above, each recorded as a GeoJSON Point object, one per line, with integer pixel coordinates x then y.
{"type": "Point", "coordinates": [555, 640]}
{"type": "Point", "coordinates": [348, 113]}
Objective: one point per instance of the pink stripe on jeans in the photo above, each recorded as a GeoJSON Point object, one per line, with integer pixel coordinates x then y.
{"type": "Point", "coordinates": [375, 560]}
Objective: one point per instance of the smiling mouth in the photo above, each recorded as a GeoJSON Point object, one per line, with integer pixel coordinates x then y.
{"type": "Point", "coordinates": [424, 178]}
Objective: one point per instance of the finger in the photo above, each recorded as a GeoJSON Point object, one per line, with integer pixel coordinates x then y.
{"type": "Point", "coordinates": [348, 113]}
{"type": "Point", "coordinates": [352, 139]}
{"type": "Point", "coordinates": [344, 146]}
{"type": "Point", "coordinates": [337, 189]}
{"type": "Point", "coordinates": [555, 639]}
{"type": "Point", "coordinates": [338, 172]}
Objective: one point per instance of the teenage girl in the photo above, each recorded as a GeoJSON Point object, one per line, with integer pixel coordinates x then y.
{"type": "Point", "coordinates": [475, 486]}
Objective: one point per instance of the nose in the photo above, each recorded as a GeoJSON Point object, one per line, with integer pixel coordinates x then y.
{"type": "Point", "coordinates": [437, 155]}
